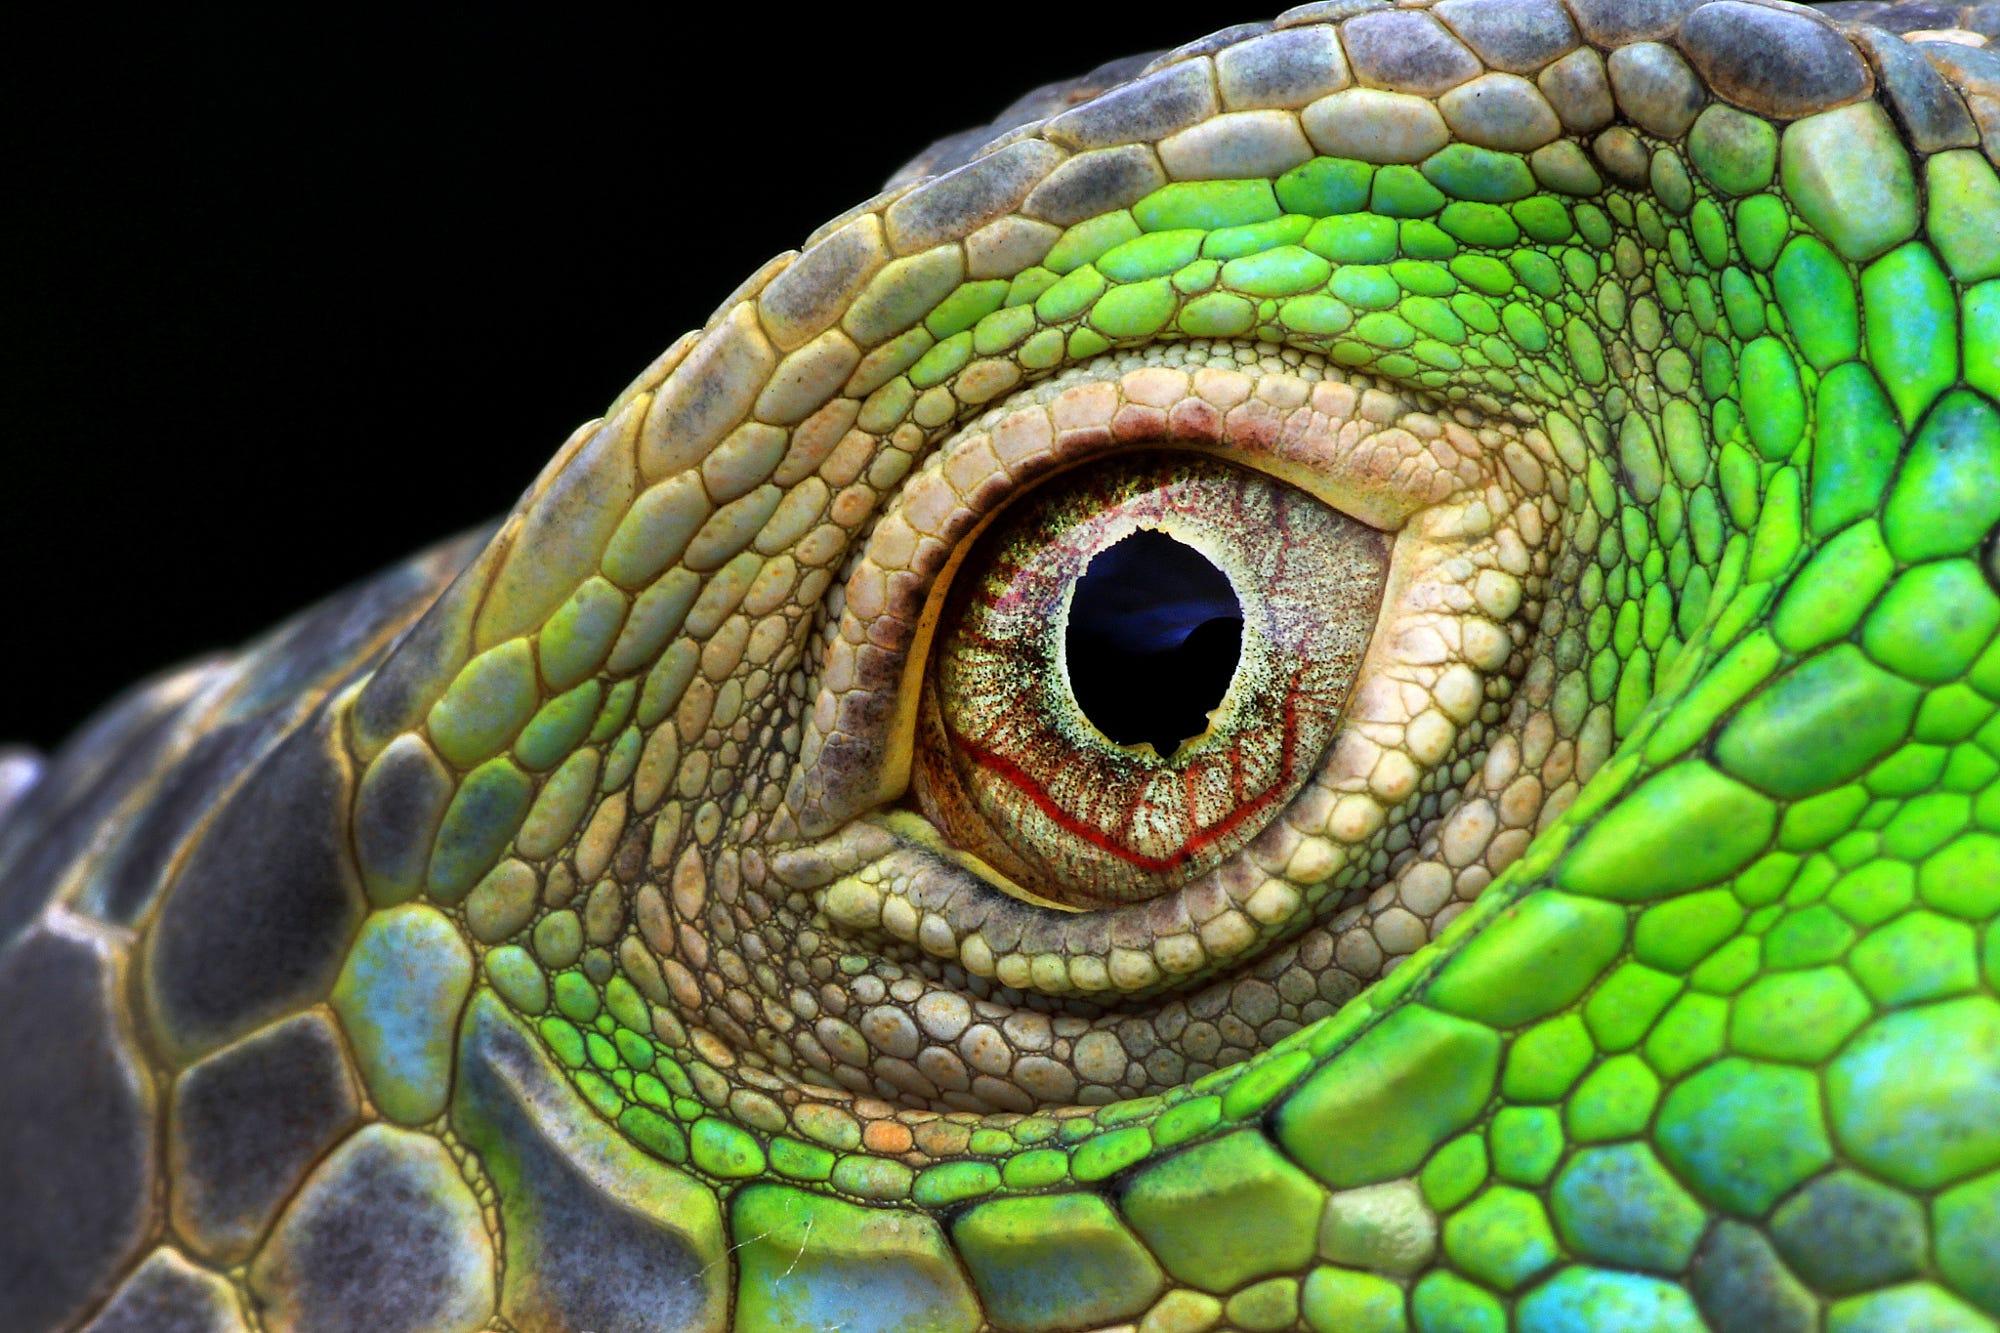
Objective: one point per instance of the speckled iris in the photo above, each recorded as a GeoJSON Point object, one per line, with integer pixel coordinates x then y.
{"type": "Point", "coordinates": [1018, 768]}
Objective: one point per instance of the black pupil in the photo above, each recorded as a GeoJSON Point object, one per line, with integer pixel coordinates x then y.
{"type": "Point", "coordinates": [1154, 634]}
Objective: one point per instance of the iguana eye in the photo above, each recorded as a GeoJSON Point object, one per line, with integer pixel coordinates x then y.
{"type": "Point", "coordinates": [978, 799]}
{"type": "Point", "coordinates": [1138, 665]}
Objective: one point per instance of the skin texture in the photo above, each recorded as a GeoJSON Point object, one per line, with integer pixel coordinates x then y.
{"type": "Point", "coordinates": [580, 927]}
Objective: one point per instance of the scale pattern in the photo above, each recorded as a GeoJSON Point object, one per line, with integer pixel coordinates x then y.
{"type": "Point", "coordinates": [533, 938]}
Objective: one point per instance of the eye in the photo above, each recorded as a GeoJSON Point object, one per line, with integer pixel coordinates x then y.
{"type": "Point", "coordinates": [1157, 664]}
{"type": "Point", "coordinates": [1138, 664]}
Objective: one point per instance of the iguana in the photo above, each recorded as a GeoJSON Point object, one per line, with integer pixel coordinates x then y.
{"type": "Point", "coordinates": [1529, 855]}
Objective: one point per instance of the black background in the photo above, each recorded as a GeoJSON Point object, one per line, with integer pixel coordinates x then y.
{"type": "Point", "coordinates": [287, 295]}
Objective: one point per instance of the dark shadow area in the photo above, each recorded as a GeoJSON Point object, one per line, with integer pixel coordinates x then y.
{"type": "Point", "coordinates": [292, 293]}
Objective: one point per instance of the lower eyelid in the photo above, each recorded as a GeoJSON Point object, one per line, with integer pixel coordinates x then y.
{"type": "Point", "coordinates": [931, 899]}
{"type": "Point", "coordinates": [912, 829]}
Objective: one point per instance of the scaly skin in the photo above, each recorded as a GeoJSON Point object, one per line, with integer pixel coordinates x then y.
{"type": "Point", "coordinates": [546, 936]}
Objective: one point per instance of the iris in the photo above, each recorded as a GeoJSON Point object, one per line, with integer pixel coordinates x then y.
{"type": "Point", "coordinates": [1153, 639]}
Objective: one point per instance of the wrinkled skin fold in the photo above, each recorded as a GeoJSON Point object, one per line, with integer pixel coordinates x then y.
{"type": "Point", "coordinates": [1580, 912]}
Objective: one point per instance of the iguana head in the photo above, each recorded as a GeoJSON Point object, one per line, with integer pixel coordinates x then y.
{"type": "Point", "coordinates": [763, 703]}
{"type": "Point", "coordinates": [1558, 883]}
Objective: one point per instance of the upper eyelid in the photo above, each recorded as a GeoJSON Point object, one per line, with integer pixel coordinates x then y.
{"type": "Point", "coordinates": [1338, 438]}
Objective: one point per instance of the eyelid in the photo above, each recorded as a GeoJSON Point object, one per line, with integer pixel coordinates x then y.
{"type": "Point", "coordinates": [914, 830]}
{"type": "Point", "coordinates": [1352, 445]}
{"type": "Point", "coordinates": [1463, 596]}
